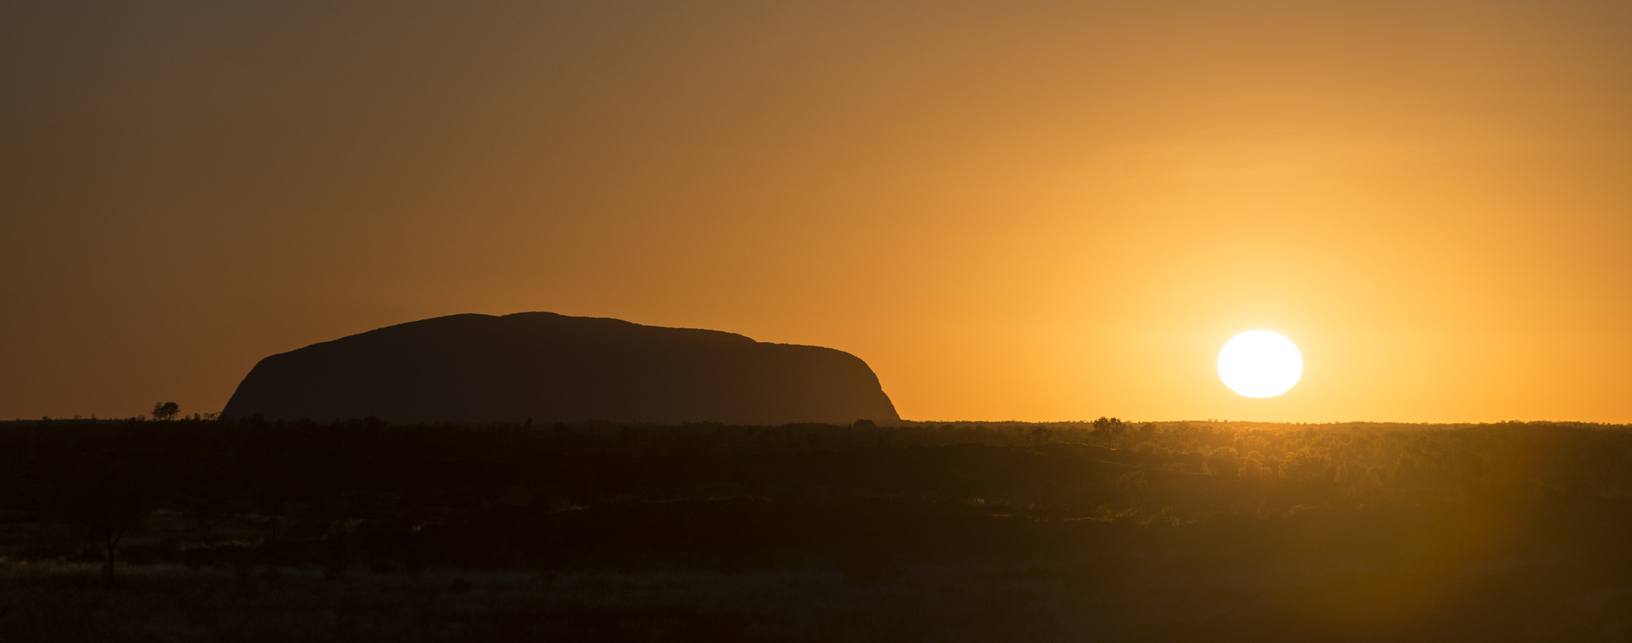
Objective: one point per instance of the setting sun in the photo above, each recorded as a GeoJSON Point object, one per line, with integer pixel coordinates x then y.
{"type": "Point", "coordinates": [1260, 363]}
{"type": "Point", "coordinates": [755, 319]}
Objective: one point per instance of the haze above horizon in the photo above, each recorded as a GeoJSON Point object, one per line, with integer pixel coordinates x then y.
{"type": "Point", "coordinates": [1029, 211]}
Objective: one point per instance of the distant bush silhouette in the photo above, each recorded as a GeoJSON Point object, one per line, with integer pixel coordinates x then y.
{"type": "Point", "coordinates": [166, 410]}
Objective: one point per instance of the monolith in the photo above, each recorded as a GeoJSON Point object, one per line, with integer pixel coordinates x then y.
{"type": "Point", "coordinates": [553, 368]}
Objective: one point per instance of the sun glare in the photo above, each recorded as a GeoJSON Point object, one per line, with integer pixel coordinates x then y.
{"type": "Point", "coordinates": [1260, 363]}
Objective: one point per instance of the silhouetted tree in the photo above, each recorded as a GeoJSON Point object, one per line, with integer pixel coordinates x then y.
{"type": "Point", "coordinates": [1108, 429]}
{"type": "Point", "coordinates": [166, 410]}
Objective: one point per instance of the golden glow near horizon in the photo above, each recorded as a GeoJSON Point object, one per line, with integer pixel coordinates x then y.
{"type": "Point", "coordinates": [1018, 210]}
{"type": "Point", "coordinates": [1260, 363]}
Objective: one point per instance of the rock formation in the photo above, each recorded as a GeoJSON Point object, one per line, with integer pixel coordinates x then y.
{"type": "Point", "coordinates": [549, 368]}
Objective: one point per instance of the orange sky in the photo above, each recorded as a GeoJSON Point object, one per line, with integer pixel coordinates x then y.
{"type": "Point", "coordinates": [1033, 211]}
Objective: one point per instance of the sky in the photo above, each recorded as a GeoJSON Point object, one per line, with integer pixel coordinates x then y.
{"type": "Point", "coordinates": [1012, 211]}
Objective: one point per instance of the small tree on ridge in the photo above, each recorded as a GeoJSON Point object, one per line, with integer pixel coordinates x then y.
{"type": "Point", "coordinates": [166, 410]}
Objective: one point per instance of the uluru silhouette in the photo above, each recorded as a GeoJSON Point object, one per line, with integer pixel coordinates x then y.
{"type": "Point", "coordinates": [554, 368]}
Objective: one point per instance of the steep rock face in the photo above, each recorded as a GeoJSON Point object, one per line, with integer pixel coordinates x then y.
{"type": "Point", "coordinates": [549, 367]}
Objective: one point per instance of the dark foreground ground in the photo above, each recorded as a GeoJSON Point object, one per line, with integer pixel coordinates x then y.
{"type": "Point", "coordinates": [959, 532]}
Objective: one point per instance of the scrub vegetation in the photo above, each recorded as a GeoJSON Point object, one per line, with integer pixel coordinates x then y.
{"type": "Point", "coordinates": [1105, 530]}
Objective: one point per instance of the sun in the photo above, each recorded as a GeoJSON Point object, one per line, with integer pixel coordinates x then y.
{"type": "Point", "coordinates": [1260, 363]}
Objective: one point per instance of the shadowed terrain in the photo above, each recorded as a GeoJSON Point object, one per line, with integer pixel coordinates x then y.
{"type": "Point", "coordinates": [548, 368]}
{"type": "Point", "coordinates": [1103, 531]}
